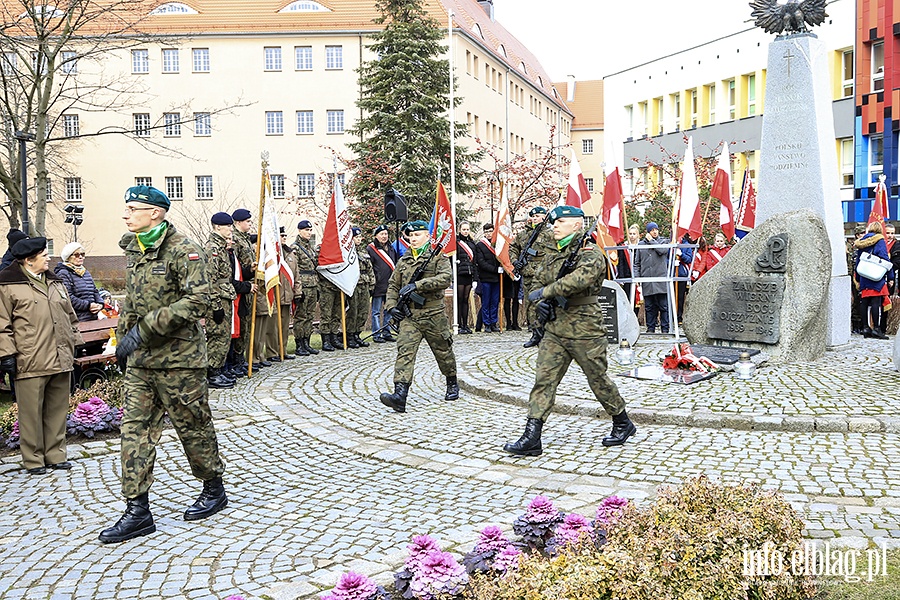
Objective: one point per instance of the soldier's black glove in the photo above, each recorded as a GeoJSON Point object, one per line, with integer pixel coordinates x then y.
{"type": "Point", "coordinates": [408, 289]}
{"type": "Point", "coordinates": [301, 296]}
{"type": "Point", "coordinates": [536, 295]}
{"type": "Point", "coordinates": [127, 345]}
{"type": "Point", "coordinates": [218, 316]}
{"type": "Point", "coordinates": [8, 366]}
{"type": "Point", "coordinates": [544, 311]}
{"type": "Point", "coordinates": [395, 313]}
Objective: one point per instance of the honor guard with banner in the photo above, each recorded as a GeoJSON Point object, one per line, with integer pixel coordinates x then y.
{"type": "Point", "coordinates": [245, 251]}
{"type": "Point", "coordinates": [570, 279]}
{"type": "Point", "coordinates": [305, 303]}
{"type": "Point", "coordinates": [358, 315]}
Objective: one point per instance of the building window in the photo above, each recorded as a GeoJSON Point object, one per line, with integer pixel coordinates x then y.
{"type": "Point", "coordinates": [10, 60]}
{"type": "Point", "coordinates": [140, 61]}
{"type": "Point", "coordinates": [70, 125]}
{"type": "Point", "coordinates": [201, 60]}
{"type": "Point", "coordinates": [335, 121]}
{"type": "Point", "coordinates": [676, 108]}
{"type": "Point", "coordinates": [304, 121]}
{"type": "Point", "coordinates": [173, 124]}
{"type": "Point", "coordinates": [148, 181]}
{"type": "Point", "coordinates": [174, 188]}
{"type": "Point", "coordinates": [711, 91]}
{"type": "Point", "coordinates": [306, 185]}
{"type": "Point", "coordinates": [69, 63]}
{"type": "Point", "coordinates": [876, 157]}
{"type": "Point", "coordinates": [303, 58]}
{"type": "Point", "coordinates": [142, 124]}
{"type": "Point", "coordinates": [304, 6]}
{"type": "Point", "coordinates": [173, 8]}
{"type": "Point", "coordinates": [751, 95]}
{"type": "Point", "coordinates": [170, 60]}
{"type": "Point", "coordinates": [73, 189]}
{"type": "Point", "coordinates": [878, 67]}
{"type": "Point", "coordinates": [589, 182]}
{"type": "Point", "coordinates": [587, 146]}
{"type": "Point", "coordinates": [334, 57]}
{"type": "Point", "coordinates": [204, 187]}
{"type": "Point", "coordinates": [202, 124]}
{"type": "Point", "coordinates": [629, 119]}
{"type": "Point", "coordinates": [660, 115]}
{"type": "Point", "coordinates": [277, 186]}
{"type": "Point", "coordinates": [847, 162]}
{"type": "Point", "coordinates": [272, 58]}
{"type": "Point", "coordinates": [731, 98]}
{"type": "Point", "coordinates": [847, 70]}
{"type": "Point", "coordinates": [274, 122]}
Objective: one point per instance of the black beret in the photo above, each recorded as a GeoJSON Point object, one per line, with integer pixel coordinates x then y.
{"type": "Point", "coordinates": [241, 214]}
{"type": "Point", "coordinates": [222, 218]}
{"type": "Point", "coordinates": [29, 247]}
{"type": "Point", "coordinates": [304, 224]}
{"type": "Point", "coordinates": [14, 236]}
{"type": "Point", "coordinates": [379, 229]}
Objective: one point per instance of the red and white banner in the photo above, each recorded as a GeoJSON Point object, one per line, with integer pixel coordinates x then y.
{"type": "Point", "coordinates": [879, 206]}
{"type": "Point", "coordinates": [337, 258]}
{"type": "Point", "coordinates": [269, 263]}
{"type": "Point", "coordinates": [746, 213]}
{"type": "Point", "coordinates": [721, 191]}
{"type": "Point", "coordinates": [442, 227]}
{"type": "Point", "coordinates": [577, 192]}
{"type": "Point", "coordinates": [689, 218]}
{"type": "Point", "coordinates": [235, 319]}
{"type": "Point", "coordinates": [503, 235]}
{"type": "Point", "coordinates": [613, 206]}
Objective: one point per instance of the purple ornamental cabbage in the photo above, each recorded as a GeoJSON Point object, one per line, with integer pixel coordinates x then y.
{"type": "Point", "coordinates": [481, 558]}
{"type": "Point", "coordinates": [507, 559]}
{"type": "Point", "coordinates": [353, 586]}
{"type": "Point", "coordinates": [93, 416]}
{"type": "Point", "coordinates": [610, 509]}
{"type": "Point", "coordinates": [573, 529]}
{"type": "Point", "coordinates": [439, 575]}
{"type": "Point", "coordinates": [12, 442]}
{"type": "Point", "coordinates": [538, 523]}
{"type": "Point", "coordinates": [492, 538]}
{"type": "Point", "coordinates": [235, 597]}
{"type": "Point", "coordinates": [418, 549]}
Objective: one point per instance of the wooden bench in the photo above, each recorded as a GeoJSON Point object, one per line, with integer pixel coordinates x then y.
{"type": "Point", "coordinates": [90, 364]}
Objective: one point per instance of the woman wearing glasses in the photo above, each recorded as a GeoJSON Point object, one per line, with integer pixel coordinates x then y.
{"type": "Point", "coordinates": [83, 293]}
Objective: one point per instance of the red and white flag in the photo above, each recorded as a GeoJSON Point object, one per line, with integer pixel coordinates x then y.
{"type": "Point", "coordinates": [235, 304]}
{"type": "Point", "coordinates": [337, 258]}
{"type": "Point", "coordinates": [721, 191]}
{"type": "Point", "coordinates": [613, 206]}
{"type": "Point", "coordinates": [269, 262]}
{"type": "Point", "coordinates": [689, 217]}
{"type": "Point", "coordinates": [879, 206]}
{"type": "Point", "coordinates": [442, 227]}
{"type": "Point", "coordinates": [746, 213]}
{"type": "Point", "coordinates": [577, 192]}
{"type": "Point", "coordinates": [503, 235]}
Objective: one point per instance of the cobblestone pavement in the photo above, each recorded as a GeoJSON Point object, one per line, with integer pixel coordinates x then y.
{"type": "Point", "coordinates": [322, 478]}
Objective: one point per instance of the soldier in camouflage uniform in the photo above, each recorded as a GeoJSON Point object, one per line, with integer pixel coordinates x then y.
{"type": "Point", "coordinates": [330, 315]}
{"type": "Point", "coordinates": [218, 317]}
{"type": "Point", "coordinates": [288, 294]}
{"type": "Point", "coordinates": [358, 315]}
{"type": "Point", "coordinates": [572, 333]}
{"type": "Point", "coordinates": [305, 303]}
{"type": "Point", "coordinates": [517, 255]}
{"type": "Point", "coordinates": [161, 343]}
{"type": "Point", "coordinates": [245, 251]}
{"type": "Point", "coordinates": [428, 321]}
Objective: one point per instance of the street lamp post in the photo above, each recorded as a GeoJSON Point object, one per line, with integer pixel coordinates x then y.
{"type": "Point", "coordinates": [74, 216]}
{"type": "Point", "coordinates": [23, 137]}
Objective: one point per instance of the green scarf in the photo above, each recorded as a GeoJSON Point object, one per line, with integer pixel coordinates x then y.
{"type": "Point", "coordinates": [146, 239]}
{"type": "Point", "coordinates": [565, 241]}
{"type": "Point", "coordinates": [417, 252]}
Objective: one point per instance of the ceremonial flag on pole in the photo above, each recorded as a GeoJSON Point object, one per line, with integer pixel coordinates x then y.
{"type": "Point", "coordinates": [613, 214]}
{"type": "Point", "coordinates": [269, 249]}
{"type": "Point", "coordinates": [746, 213]}
{"type": "Point", "coordinates": [721, 191]}
{"type": "Point", "coordinates": [690, 219]}
{"type": "Point", "coordinates": [337, 258]}
{"type": "Point", "coordinates": [235, 319]}
{"type": "Point", "coordinates": [503, 236]}
{"type": "Point", "coordinates": [879, 207]}
{"type": "Point", "coordinates": [577, 192]}
{"type": "Point", "coordinates": [442, 227]}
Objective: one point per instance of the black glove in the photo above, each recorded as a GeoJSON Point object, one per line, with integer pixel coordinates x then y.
{"type": "Point", "coordinates": [395, 312]}
{"type": "Point", "coordinates": [8, 365]}
{"type": "Point", "coordinates": [408, 289]}
{"type": "Point", "coordinates": [218, 316]}
{"type": "Point", "coordinates": [544, 311]}
{"type": "Point", "coordinates": [127, 345]}
{"type": "Point", "coordinates": [301, 296]}
{"type": "Point", "coordinates": [536, 295]}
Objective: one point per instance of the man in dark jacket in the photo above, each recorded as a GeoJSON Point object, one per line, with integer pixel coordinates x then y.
{"type": "Point", "coordinates": [384, 259]}
{"type": "Point", "coordinates": [488, 279]}
{"type": "Point", "coordinates": [12, 237]}
{"type": "Point", "coordinates": [653, 262]}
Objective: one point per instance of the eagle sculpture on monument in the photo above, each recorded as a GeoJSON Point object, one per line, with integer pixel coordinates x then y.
{"type": "Point", "coordinates": [788, 16]}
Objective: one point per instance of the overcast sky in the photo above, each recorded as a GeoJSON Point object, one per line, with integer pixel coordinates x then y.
{"type": "Point", "coordinates": [593, 38]}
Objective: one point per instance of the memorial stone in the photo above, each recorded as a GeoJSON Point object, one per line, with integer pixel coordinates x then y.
{"type": "Point", "coordinates": [618, 316]}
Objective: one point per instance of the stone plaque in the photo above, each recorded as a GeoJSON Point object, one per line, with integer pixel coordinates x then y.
{"type": "Point", "coordinates": [721, 355]}
{"type": "Point", "coordinates": [748, 309]}
{"type": "Point", "coordinates": [608, 306]}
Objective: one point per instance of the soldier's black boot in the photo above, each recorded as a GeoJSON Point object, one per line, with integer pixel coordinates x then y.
{"type": "Point", "coordinates": [452, 389]}
{"type": "Point", "coordinates": [300, 349]}
{"type": "Point", "coordinates": [397, 400]}
{"type": "Point", "coordinates": [536, 336]}
{"type": "Point", "coordinates": [326, 343]}
{"type": "Point", "coordinates": [309, 348]}
{"type": "Point", "coordinates": [136, 521]}
{"type": "Point", "coordinates": [351, 341]}
{"type": "Point", "coordinates": [226, 373]}
{"type": "Point", "coordinates": [216, 380]}
{"type": "Point", "coordinates": [362, 343]}
{"type": "Point", "coordinates": [337, 340]}
{"type": "Point", "coordinates": [622, 429]}
{"type": "Point", "coordinates": [211, 500]}
{"type": "Point", "coordinates": [530, 442]}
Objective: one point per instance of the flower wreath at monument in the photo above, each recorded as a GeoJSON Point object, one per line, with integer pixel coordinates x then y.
{"type": "Point", "coordinates": [681, 357]}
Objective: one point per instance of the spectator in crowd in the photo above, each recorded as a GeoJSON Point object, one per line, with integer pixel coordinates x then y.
{"type": "Point", "coordinates": [79, 284]}
{"type": "Point", "coordinates": [488, 280]}
{"type": "Point", "coordinates": [384, 258]}
{"type": "Point", "coordinates": [465, 273]}
{"type": "Point", "coordinates": [717, 251]}
{"type": "Point", "coordinates": [38, 333]}
{"type": "Point", "coordinates": [653, 262]}
{"type": "Point", "coordinates": [893, 251]}
{"type": "Point", "coordinates": [856, 316]}
{"type": "Point", "coordinates": [699, 266]}
{"type": "Point", "coordinates": [874, 294]}
{"type": "Point", "coordinates": [12, 237]}
{"type": "Point", "coordinates": [683, 259]}
{"type": "Point", "coordinates": [634, 238]}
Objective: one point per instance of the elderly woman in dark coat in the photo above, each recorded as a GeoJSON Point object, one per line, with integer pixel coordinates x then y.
{"type": "Point", "coordinates": [79, 284]}
{"type": "Point", "coordinates": [873, 293]}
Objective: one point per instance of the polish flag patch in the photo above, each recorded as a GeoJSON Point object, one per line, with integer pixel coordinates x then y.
{"type": "Point", "coordinates": [193, 256]}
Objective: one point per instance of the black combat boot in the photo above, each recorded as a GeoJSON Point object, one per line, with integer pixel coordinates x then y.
{"type": "Point", "coordinates": [530, 442]}
{"type": "Point", "coordinates": [136, 521]}
{"type": "Point", "coordinates": [878, 334]}
{"type": "Point", "coordinates": [211, 500]}
{"type": "Point", "coordinates": [387, 336]}
{"type": "Point", "coordinates": [337, 340]}
{"type": "Point", "coordinates": [452, 389]}
{"type": "Point", "coordinates": [216, 380]}
{"type": "Point", "coordinates": [362, 343]}
{"type": "Point", "coordinates": [300, 350]}
{"type": "Point", "coordinates": [226, 373]}
{"type": "Point", "coordinates": [309, 348]}
{"type": "Point", "coordinates": [622, 429]}
{"type": "Point", "coordinates": [351, 341]}
{"type": "Point", "coordinates": [536, 336]}
{"type": "Point", "coordinates": [326, 343]}
{"type": "Point", "coordinates": [397, 400]}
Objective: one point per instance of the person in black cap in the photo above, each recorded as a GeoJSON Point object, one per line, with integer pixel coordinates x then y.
{"type": "Point", "coordinates": [245, 251]}
{"type": "Point", "coordinates": [305, 304]}
{"type": "Point", "coordinates": [360, 301]}
{"type": "Point", "coordinates": [383, 257]}
{"type": "Point", "coordinates": [290, 288]}
{"type": "Point", "coordinates": [37, 349]}
{"type": "Point", "coordinates": [218, 317]}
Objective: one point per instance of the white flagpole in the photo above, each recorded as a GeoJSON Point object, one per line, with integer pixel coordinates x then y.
{"type": "Point", "coordinates": [452, 190]}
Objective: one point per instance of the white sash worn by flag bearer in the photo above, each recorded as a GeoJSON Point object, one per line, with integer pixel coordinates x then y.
{"type": "Point", "coordinates": [269, 250]}
{"type": "Point", "coordinates": [337, 258]}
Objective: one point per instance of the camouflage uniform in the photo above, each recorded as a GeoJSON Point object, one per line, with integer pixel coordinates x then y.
{"type": "Point", "coordinates": [246, 255]}
{"type": "Point", "coordinates": [222, 294]}
{"type": "Point", "coordinates": [542, 245]}
{"type": "Point", "coordinates": [576, 333]}
{"type": "Point", "coordinates": [305, 305]}
{"type": "Point", "coordinates": [330, 307]}
{"type": "Point", "coordinates": [288, 294]}
{"type": "Point", "coordinates": [360, 302]}
{"type": "Point", "coordinates": [166, 294]}
{"type": "Point", "coordinates": [429, 322]}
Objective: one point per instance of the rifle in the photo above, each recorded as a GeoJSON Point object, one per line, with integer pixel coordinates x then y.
{"type": "Point", "coordinates": [415, 298]}
{"type": "Point", "coordinates": [567, 267]}
{"type": "Point", "coordinates": [528, 252]}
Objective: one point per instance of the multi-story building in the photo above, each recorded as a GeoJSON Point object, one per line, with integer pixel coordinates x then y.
{"type": "Point", "coordinates": [715, 92]}
{"type": "Point", "coordinates": [585, 99]}
{"type": "Point", "coordinates": [231, 79]}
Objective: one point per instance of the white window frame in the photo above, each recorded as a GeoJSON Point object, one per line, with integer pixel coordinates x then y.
{"type": "Point", "coordinates": [711, 99]}
{"type": "Point", "coordinates": [148, 181]}
{"type": "Point", "coordinates": [272, 58]}
{"type": "Point", "coordinates": [69, 64]}
{"type": "Point", "coordinates": [334, 58]}
{"type": "Point", "coordinates": [172, 124]}
{"type": "Point", "coordinates": [202, 125]}
{"type": "Point", "coordinates": [140, 61]}
{"type": "Point", "coordinates": [274, 122]}
{"type": "Point", "coordinates": [587, 146]}
{"type": "Point", "coordinates": [335, 121]}
{"type": "Point", "coordinates": [200, 60]}
{"type": "Point", "coordinates": [306, 185]}
{"type": "Point", "coordinates": [877, 51]}
{"type": "Point", "coordinates": [141, 123]}
{"type": "Point", "coordinates": [848, 75]}
{"type": "Point", "coordinates": [277, 186]}
{"type": "Point", "coordinates": [875, 168]}
{"type": "Point", "coordinates": [204, 187]}
{"type": "Point", "coordinates": [73, 189]}
{"type": "Point", "coordinates": [171, 62]}
{"type": "Point", "coordinates": [10, 62]}
{"type": "Point", "coordinates": [303, 58]}
{"type": "Point", "coordinates": [847, 162]}
{"type": "Point", "coordinates": [589, 183]}
{"type": "Point", "coordinates": [71, 126]}
{"type": "Point", "coordinates": [303, 121]}
{"type": "Point", "coordinates": [175, 187]}
{"type": "Point", "coordinates": [751, 94]}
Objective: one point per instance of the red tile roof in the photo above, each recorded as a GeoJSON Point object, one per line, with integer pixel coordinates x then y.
{"type": "Point", "coordinates": [587, 105]}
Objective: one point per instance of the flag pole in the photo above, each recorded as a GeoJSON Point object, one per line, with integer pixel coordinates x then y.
{"type": "Point", "coordinates": [262, 200]}
{"type": "Point", "coordinates": [453, 170]}
{"type": "Point", "coordinates": [343, 320]}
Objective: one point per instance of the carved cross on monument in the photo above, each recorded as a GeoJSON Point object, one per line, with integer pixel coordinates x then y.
{"type": "Point", "coordinates": [788, 56]}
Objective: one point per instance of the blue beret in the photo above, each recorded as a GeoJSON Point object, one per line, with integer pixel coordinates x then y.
{"type": "Point", "coordinates": [222, 218]}
{"type": "Point", "coordinates": [28, 247]}
{"type": "Point", "coordinates": [304, 224]}
{"type": "Point", "coordinates": [356, 231]}
{"type": "Point", "coordinates": [241, 214]}
{"type": "Point", "coordinates": [537, 210]}
{"type": "Point", "coordinates": [379, 229]}
{"type": "Point", "coordinates": [415, 226]}
{"type": "Point", "coordinates": [565, 211]}
{"type": "Point", "coordinates": [147, 195]}
{"type": "Point", "coordinates": [651, 226]}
